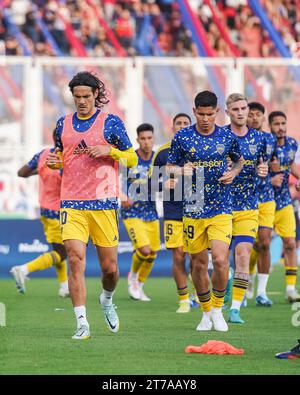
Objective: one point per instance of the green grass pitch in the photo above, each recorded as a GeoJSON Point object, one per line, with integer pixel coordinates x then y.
{"type": "Point", "coordinates": [152, 337]}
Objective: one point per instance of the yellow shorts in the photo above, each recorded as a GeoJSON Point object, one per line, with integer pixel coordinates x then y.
{"type": "Point", "coordinates": [100, 225]}
{"type": "Point", "coordinates": [285, 223]}
{"type": "Point", "coordinates": [143, 233]}
{"type": "Point", "coordinates": [245, 223]}
{"type": "Point", "coordinates": [52, 230]}
{"type": "Point", "coordinates": [173, 231]}
{"type": "Point", "coordinates": [198, 233]}
{"type": "Point", "coordinates": [266, 214]}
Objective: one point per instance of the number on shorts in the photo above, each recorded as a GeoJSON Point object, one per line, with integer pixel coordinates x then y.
{"type": "Point", "coordinates": [132, 235]}
{"type": "Point", "coordinates": [190, 232]}
{"type": "Point", "coordinates": [169, 229]}
{"type": "Point", "coordinates": [63, 217]}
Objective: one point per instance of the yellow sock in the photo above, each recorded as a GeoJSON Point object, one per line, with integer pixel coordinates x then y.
{"type": "Point", "coordinates": [137, 260]}
{"type": "Point", "coordinates": [253, 261]}
{"type": "Point", "coordinates": [205, 301]}
{"type": "Point", "coordinates": [217, 298]}
{"type": "Point", "coordinates": [146, 268]}
{"type": "Point", "coordinates": [239, 287]}
{"type": "Point", "coordinates": [183, 293]}
{"type": "Point", "coordinates": [62, 271]}
{"type": "Point", "coordinates": [291, 275]}
{"type": "Point", "coordinates": [43, 261]}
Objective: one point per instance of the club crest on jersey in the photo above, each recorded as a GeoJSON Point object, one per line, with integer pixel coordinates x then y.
{"type": "Point", "coordinates": [269, 149]}
{"type": "Point", "coordinates": [252, 148]}
{"type": "Point", "coordinates": [291, 154]}
{"type": "Point", "coordinates": [220, 148]}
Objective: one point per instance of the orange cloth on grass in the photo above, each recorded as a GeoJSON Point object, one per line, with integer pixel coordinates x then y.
{"type": "Point", "coordinates": [215, 347]}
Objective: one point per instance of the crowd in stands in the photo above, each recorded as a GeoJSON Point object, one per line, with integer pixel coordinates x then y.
{"type": "Point", "coordinates": [143, 27]}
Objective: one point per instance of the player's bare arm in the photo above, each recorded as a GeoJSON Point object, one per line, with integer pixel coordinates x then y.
{"type": "Point", "coordinates": [186, 170]}
{"type": "Point", "coordinates": [99, 151]}
{"type": "Point", "coordinates": [296, 174]}
{"type": "Point", "coordinates": [26, 171]}
{"type": "Point", "coordinates": [234, 170]}
{"type": "Point", "coordinates": [276, 181]}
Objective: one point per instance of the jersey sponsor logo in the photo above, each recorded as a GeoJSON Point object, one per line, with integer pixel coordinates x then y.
{"type": "Point", "coordinates": [81, 148]}
{"type": "Point", "coordinates": [208, 163]}
{"type": "Point", "coordinates": [220, 148]}
{"type": "Point", "coordinates": [248, 162]}
{"type": "Point", "coordinates": [252, 148]}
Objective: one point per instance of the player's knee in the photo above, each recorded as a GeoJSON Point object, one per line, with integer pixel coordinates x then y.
{"type": "Point", "coordinates": [76, 262]}
{"type": "Point", "coordinates": [109, 271]}
{"type": "Point", "coordinates": [109, 267]}
{"type": "Point", "coordinates": [289, 244]}
{"type": "Point", "coordinates": [145, 250]}
{"type": "Point", "coordinates": [198, 265]}
{"type": "Point", "coordinates": [243, 251]}
{"type": "Point", "coordinates": [264, 245]}
{"type": "Point", "coordinates": [178, 254]}
{"type": "Point", "coordinates": [219, 261]}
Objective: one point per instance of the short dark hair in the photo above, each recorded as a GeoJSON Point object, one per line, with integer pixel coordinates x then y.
{"type": "Point", "coordinates": [206, 99]}
{"type": "Point", "coordinates": [255, 105]}
{"type": "Point", "coordinates": [274, 114]}
{"type": "Point", "coordinates": [86, 78]}
{"type": "Point", "coordinates": [144, 127]}
{"type": "Point", "coordinates": [182, 114]}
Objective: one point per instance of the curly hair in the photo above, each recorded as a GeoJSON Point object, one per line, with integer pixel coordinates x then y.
{"type": "Point", "coordinates": [86, 78]}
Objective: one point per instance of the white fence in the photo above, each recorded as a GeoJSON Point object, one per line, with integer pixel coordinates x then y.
{"type": "Point", "coordinates": [34, 93]}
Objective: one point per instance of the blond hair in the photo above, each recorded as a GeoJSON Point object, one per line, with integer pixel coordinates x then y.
{"type": "Point", "coordinates": [234, 97]}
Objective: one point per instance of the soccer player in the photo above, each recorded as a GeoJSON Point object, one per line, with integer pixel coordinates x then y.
{"type": "Point", "coordinates": [266, 213]}
{"type": "Point", "coordinates": [91, 143]}
{"type": "Point", "coordinates": [49, 199]}
{"type": "Point", "coordinates": [285, 224]}
{"type": "Point", "coordinates": [203, 148]}
{"type": "Point", "coordinates": [140, 216]}
{"type": "Point", "coordinates": [245, 199]}
{"type": "Point", "coordinates": [173, 225]}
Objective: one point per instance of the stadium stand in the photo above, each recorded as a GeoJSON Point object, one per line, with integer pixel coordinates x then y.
{"type": "Point", "coordinates": [145, 27]}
